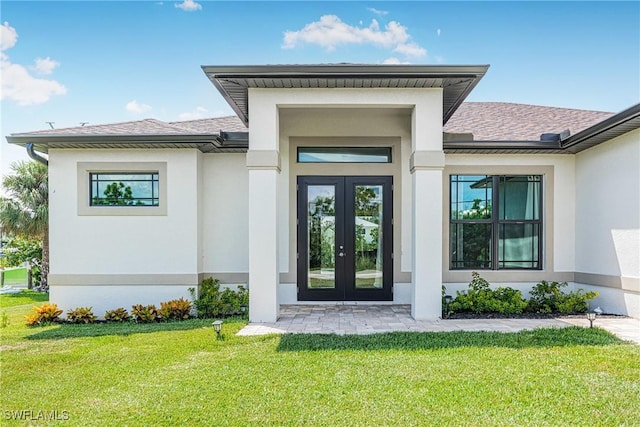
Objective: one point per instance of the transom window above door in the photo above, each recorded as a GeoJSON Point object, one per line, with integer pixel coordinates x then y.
{"type": "Point", "coordinates": [495, 222]}
{"type": "Point", "coordinates": [344, 155]}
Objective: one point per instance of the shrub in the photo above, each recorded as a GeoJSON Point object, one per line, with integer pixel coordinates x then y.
{"type": "Point", "coordinates": [480, 298]}
{"type": "Point", "coordinates": [548, 297]}
{"type": "Point", "coordinates": [177, 309]}
{"type": "Point", "coordinates": [144, 313]}
{"type": "Point", "coordinates": [116, 315]}
{"type": "Point", "coordinates": [45, 314]}
{"type": "Point", "coordinates": [211, 302]}
{"type": "Point", "coordinates": [81, 315]}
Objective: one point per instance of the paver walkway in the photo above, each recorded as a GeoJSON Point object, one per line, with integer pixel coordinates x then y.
{"type": "Point", "coordinates": [367, 319]}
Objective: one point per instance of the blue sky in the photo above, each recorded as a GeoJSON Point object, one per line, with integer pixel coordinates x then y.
{"type": "Point", "coordinates": [102, 62]}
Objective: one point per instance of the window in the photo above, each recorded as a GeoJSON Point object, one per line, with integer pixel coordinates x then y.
{"type": "Point", "coordinates": [495, 229]}
{"type": "Point", "coordinates": [344, 154]}
{"type": "Point", "coordinates": [143, 191]}
{"type": "Point", "coordinates": [124, 189]}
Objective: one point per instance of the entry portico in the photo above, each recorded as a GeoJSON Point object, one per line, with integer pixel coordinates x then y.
{"type": "Point", "coordinates": [330, 106]}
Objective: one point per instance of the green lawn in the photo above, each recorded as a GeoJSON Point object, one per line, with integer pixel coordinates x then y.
{"type": "Point", "coordinates": [22, 298]}
{"type": "Point", "coordinates": [179, 374]}
{"type": "Point", "coordinates": [15, 276]}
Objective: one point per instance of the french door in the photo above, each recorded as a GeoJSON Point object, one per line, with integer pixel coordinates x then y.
{"type": "Point", "coordinates": [345, 238]}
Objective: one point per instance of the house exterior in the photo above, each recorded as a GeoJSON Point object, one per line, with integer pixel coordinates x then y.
{"type": "Point", "coordinates": [345, 183]}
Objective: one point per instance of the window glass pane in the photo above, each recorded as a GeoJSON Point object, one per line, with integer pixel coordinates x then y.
{"type": "Point", "coordinates": [470, 197]}
{"type": "Point", "coordinates": [321, 238]}
{"type": "Point", "coordinates": [470, 245]}
{"type": "Point", "coordinates": [124, 189]}
{"type": "Point", "coordinates": [344, 154]}
{"type": "Point", "coordinates": [520, 197]}
{"type": "Point", "coordinates": [518, 247]}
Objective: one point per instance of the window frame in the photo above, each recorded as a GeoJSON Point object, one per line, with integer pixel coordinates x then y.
{"type": "Point", "coordinates": [384, 152]}
{"type": "Point", "coordinates": [99, 177]}
{"type": "Point", "coordinates": [85, 169]}
{"type": "Point", "coordinates": [496, 222]}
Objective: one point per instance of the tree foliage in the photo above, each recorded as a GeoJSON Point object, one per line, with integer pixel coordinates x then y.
{"type": "Point", "coordinates": [24, 213]}
{"type": "Point", "coordinates": [115, 194]}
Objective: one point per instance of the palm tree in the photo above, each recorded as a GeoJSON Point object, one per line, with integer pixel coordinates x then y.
{"type": "Point", "coordinates": [25, 212]}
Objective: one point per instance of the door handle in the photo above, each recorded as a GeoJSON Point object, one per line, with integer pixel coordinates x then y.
{"type": "Point", "coordinates": [341, 254]}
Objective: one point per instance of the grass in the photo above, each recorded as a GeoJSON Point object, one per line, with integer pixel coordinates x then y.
{"type": "Point", "coordinates": [24, 297]}
{"type": "Point", "coordinates": [15, 276]}
{"type": "Point", "coordinates": [179, 374]}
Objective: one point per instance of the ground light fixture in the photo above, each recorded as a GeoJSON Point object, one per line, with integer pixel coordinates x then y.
{"type": "Point", "coordinates": [447, 301]}
{"type": "Point", "coordinates": [591, 316]}
{"type": "Point", "coordinates": [217, 326]}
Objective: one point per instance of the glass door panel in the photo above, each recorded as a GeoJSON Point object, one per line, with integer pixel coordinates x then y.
{"type": "Point", "coordinates": [321, 237]}
{"type": "Point", "coordinates": [368, 236]}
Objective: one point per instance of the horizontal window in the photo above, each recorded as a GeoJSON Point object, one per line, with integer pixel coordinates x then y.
{"type": "Point", "coordinates": [124, 189]}
{"type": "Point", "coordinates": [495, 229]}
{"type": "Point", "coordinates": [344, 154]}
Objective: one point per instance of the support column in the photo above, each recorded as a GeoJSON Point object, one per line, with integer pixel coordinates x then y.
{"type": "Point", "coordinates": [264, 169]}
{"type": "Point", "coordinates": [426, 277]}
{"type": "Point", "coordinates": [426, 166]}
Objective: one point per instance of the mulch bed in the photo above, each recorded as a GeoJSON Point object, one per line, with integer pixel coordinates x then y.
{"type": "Point", "coordinates": [523, 316]}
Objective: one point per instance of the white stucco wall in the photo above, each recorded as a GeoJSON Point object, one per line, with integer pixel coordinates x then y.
{"type": "Point", "coordinates": [106, 252]}
{"type": "Point", "coordinates": [608, 220]}
{"type": "Point", "coordinates": [608, 207]}
{"type": "Point", "coordinates": [225, 233]}
{"type": "Point", "coordinates": [123, 244]}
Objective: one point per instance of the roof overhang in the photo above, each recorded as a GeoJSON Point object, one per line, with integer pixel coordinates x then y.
{"type": "Point", "coordinates": [205, 143]}
{"type": "Point", "coordinates": [234, 82]}
{"type": "Point", "coordinates": [619, 124]}
{"type": "Point", "coordinates": [502, 147]}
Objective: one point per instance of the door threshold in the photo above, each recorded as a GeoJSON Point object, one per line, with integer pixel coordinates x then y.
{"type": "Point", "coordinates": [343, 303]}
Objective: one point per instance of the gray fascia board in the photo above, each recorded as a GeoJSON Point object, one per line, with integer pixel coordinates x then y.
{"type": "Point", "coordinates": [501, 145]}
{"type": "Point", "coordinates": [622, 117]}
{"type": "Point", "coordinates": [243, 71]}
{"type": "Point", "coordinates": [23, 139]}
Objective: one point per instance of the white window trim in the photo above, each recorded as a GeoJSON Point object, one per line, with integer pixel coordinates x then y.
{"type": "Point", "coordinates": [84, 193]}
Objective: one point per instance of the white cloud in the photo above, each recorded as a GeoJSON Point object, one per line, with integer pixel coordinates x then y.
{"type": "Point", "coordinates": [377, 11]}
{"type": "Point", "coordinates": [8, 36]}
{"type": "Point", "coordinates": [330, 32]}
{"type": "Point", "coordinates": [438, 32]}
{"type": "Point", "coordinates": [137, 108]}
{"type": "Point", "coordinates": [197, 113]}
{"type": "Point", "coordinates": [411, 50]}
{"type": "Point", "coordinates": [394, 61]}
{"type": "Point", "coordinates": [189, 6]}
{"type": "Point", "coordinates": [17, 83]}
{"type": "Point", "coordinates": [46, 65]}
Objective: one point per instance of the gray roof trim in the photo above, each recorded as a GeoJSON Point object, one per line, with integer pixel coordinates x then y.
{"type": "Point", "coordinates": [505, 147]}
{"type": "Point", "coordinates": [619, 124]}
{"type": "Point", "coordinates": [42, 143]}
{"type": "Point", "coordinates": [233, 81]}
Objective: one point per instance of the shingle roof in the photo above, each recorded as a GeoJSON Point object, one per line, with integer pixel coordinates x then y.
{"type": "Point", "coordinates": [502, 121]}
{"type": "Point", "coordinates": [212, 125]}
{"type": "Point", "coordinates": [148, 127]}
{"type": "Point", "coordinates": [488, 121]}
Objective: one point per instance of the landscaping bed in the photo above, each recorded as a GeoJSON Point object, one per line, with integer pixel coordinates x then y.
{"type": "Point", "coordinates": [524, 315]}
